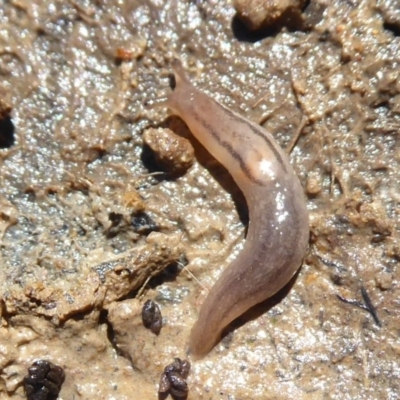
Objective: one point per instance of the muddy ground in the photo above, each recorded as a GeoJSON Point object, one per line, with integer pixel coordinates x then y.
{"type": "Point", "coordinates": [94, 222]}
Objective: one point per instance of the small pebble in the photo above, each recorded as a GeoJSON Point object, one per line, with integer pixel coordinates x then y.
{"type": "Point", "coordinates": [5, 109]}
{"type": "Point", "coordinates": [314, 184]}
{"type": "Point", "coordinates": [259, 14]}
{"type": "Point", "coordinates": [384, 280]}
{"type": "Point", "coordinates": [173, 152]}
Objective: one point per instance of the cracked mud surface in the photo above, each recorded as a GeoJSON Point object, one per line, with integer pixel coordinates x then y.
{"type": "Point", "coordinates": [91, 226]}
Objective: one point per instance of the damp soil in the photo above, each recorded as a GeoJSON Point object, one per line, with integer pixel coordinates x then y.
{"type": "Point", "coordinates": [92, 226]}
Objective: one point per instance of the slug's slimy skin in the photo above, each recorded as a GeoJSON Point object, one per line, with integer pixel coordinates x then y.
{"type": "Point", "coordinates": [278, 229]}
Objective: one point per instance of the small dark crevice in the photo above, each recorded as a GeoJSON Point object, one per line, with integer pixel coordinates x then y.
{"type": "Point", "coordinates": [7, 130]}
{"type": "Point", "coordinates": [243, 34]}
{"type": "Point", "coordinates": [103, 319]}
{"type": "Point", "coordinates": [148, 159]}
{"type": "Point", "coordinates": [393, 27]}
{"type": "Point", "coordinates": [168, 274]}
{"type": "Point", "coordinates": [142, 223]}
{"type": "Point", "coordinates": [291, 19]}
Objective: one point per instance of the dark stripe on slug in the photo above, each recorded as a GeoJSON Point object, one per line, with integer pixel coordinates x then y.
{"type": "Point", "coordinates": [269, 143]}
{"type": "Point", "coordinates": [227, 146]}
{"type": "Point", "coordinates": [255, 130]}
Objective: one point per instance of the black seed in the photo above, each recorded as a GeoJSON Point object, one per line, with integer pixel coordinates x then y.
{"type": "Point", "coordinates": [151, 317]}
{"type": "Point", "coordinates": [44, 381]}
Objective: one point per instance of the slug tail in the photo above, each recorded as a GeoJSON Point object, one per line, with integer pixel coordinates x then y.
{"type": "Point", "coordinates": [223, 304]}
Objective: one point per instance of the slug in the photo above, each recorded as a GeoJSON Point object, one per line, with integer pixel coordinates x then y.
{"type": "Point", "coordinates": [278, 231]}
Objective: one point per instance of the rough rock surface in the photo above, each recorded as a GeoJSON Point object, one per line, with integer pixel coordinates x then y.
{"type": "Point", "coordinates": [90, 229]}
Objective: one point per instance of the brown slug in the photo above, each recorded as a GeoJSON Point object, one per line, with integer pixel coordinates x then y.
{"type": "Point", "coordinates": [278, 230]}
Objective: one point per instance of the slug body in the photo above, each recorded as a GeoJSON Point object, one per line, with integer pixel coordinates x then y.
{"type": "Point", "coordinates": [278, 230]}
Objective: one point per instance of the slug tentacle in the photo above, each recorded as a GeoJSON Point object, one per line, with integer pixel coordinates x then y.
{"type": "Point", "coordinates": [278, 229]}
